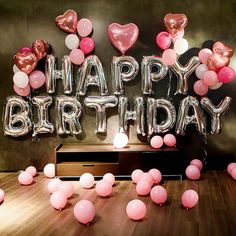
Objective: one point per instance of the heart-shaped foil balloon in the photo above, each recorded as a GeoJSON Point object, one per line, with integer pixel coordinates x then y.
{"type": "Point", "coordinates": [215, 62]}
{"type": "Point", "coordinates": [68, 21]}
{"type": "Point", "coordinates": [222, 49]}
{"type": "Point", "coordinates": [175, 23]}
{"type": "Point", "coordinates": [26, 62]}
{"type": "Point", "coordinates": [123, 37]}
{"type": "Point", "coordinates": [40, 48]}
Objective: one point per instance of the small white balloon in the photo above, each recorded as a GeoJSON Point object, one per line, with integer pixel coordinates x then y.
{"type": "Point", "coordinates": [218, 85]}
{"type": "Point", "coordinates": [120, 140]}
{"type": "Point", "coordinates": [181, 46]}
{"type": "Point", "coordinates": [200, 70]}
{"type": "Point", "coordinates": [15, 69]}
{"type": "Point", "coordinates": [72, 41]}
{"type": "Point", "coordinates": [21, 79]}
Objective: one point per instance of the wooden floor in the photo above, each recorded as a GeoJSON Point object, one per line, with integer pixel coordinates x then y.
{"type": "Point", "coordinates": [27, 211]}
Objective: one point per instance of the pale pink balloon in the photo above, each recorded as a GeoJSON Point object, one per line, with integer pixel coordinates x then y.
{"type": "Point", "coordinates": [58, 200]}
{"type": "Point", "coordinates": [157, 141]}
{"type": "Point", "coordinates": [49, 170]}
{"type": "Point", "coordinates": [200, 70]}
{"type": "Point", "coordinates": [103, 188]}
{"type": "Point", "coordinates": [210, 78]}
{"type": "Point", "coordinates": [163, 40]}
{"type": "Point", "coordinates": [169, 57]}
{"type": "Point", "coordinates": [86, 180]}
{"type": "Point", "coordinates": [2, 195]}
{"type": "Point", "coordinates": [32, 170]}
{"type": "Point", "coordinates": [21, 79]}
{"type": "Point", "coordinates": [192, 172]}
{"type": "Point", "coordinates": [169, 140]}
{"type": "Point", "coordinates": [22, 91]}
{"type": "Point", "coordinates": [204, 54]}
{"type": "Point", "coordinates": [25, 178]}
{"type": "Point", "coordinates": [156, 175]}
{"type": "Point", "coordinates": [136, 175]}
{"type": "Point", "coordinates": [189, 199]}
{"type": "Point", "coordinates": [158, 195]}
{"type": "Point", "coordinates": [230, 167]}
{"type": "Point", "coordinates": [233, 173]}
{"type": "Point", "coordinates": [120, 140]}
{"type": "Point", "coordinates": [53, 185]}
{"type": "Point", "coordinates": [136, 209]}
{"type": "Point", "coordinates": [76, 56]}
{"type": "Point", "coordinates": [143, 187]}
{"type": "Point", "coordinates": [109, 177]}
{"type": "Point", "coordinates": [87, 45]}
{"type": "Point", "coordinates": [84, 211]}
{"type": "Point", "coordinates": [84, 27]}
{"type": "Point", "coordinates": [226, 74]}
{"type": "Point", "coordinates": [197, 163]}
{"type": "Point", "coordinates": [72, 41]}
{"type": "Point", "coordinates": [67, 188]}
{"type": "Point", "coordinates": [37, 79]}
{"type": "Point", "coordinates": [25, 50]}
{"type": "Point", "coordinates": [148, 176]}
{"type": "Point", "coordinates": [200, 88]}
{"type": "Point", "coordinates": [178, 35]}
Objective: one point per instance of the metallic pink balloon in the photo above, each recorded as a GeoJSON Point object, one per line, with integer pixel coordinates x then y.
{"type": "Point", "coordinates": [223, 49]}
{"type": "Point", "coordinates": [123, 37]}
{"type": "Point", "coordinates": [40, 48]}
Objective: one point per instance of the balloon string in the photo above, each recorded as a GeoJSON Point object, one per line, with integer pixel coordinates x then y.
{"type": "Point", "coordinates": [205, 149]}
{"type": "Point", "coordinates": [169, 84]}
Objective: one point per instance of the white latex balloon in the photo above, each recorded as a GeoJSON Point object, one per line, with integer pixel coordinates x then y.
{"type": "Point", "coordinates": [15, 69]}
{"type": "Point", "coordinates": [218, 85]}
{"type": "Point", "coordinates": [200, 70]}
{"type": "Point", "coordinates": [120, 140]}
{"type": "Point", "coordinates": [181, 46]}
{"type": "Point", "coordinates": [20, 79]}
{"type": "Point", "coordinates": [72, 41]}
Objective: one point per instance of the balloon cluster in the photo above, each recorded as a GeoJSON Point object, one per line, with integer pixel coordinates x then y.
{"type": "Point", "coordinates": [157, 141]}
{"type": "Point", "coordinates": [80, 44]}
{"type": "Point", "coordinates": [26, 177]}
{"type": "Point", "coordinates": [193, 171]}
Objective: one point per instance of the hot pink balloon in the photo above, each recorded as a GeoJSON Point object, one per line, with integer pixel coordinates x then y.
{"type": "Point", "coordinates": [233, 173]}
{"type": "Point", "coordinates": [32, 170]}
{"type": "Point", "coordinates": [189, 199]}
{"type": "Point", "coordinates": [200, 70]}
{"type": "Point", "coordinates": [169, 57]}
{"type": "Point", "coordinates": [103, 188]}
{"type": "Point", "coordinates": [230, 167]}
{"type": "Point", "coordinates": [158, 195]}
{"type": "Point", "coordinates": [25, 50]}
{"type": "Point", "coordinates": [58, 200]}
{"type": "Point", "coordinates": [226, 74]}
{"type": "Point", "coordinates": [156, 175]}
{"type": "Point", "coordinates": [163, 40]}
{"type": "Point", "coordinates": [84, 27]}
{"type": "Point", "coordinates": [197, 163]}
{"type": "Point", "coordinates": [192, 172]}
{"type": "Point", "coordinates": [76, 56]}
{"type": "Point", "coordinates": [204, 54]}
{"type": "Point", "coordinates": [169, 140]}
{"type": "Point", "coordinates": [87, 45]}
{"type": "Point", "coordinates": [136, 209]}
{"type": "Point", "coordinates": [67, 188]}
{"type": "Point", "coordinates": [25, 178]}
{"type": "Point", "coordinates": [148, 176]}
{"type": "Point", "coordinates": [86, 180]}
{"type": "Point", "coordinates": [37, 79]}
{"type": "Point", "coordinates": [136, 175]}
{"type": "Point", "coordinates": [84, 211]}
{"type": "Point", "coordinates": [49, 170]}
{"type": "Point", "coordinates": [200, 88]}
{"type": "Point", "coordinates": [53, 185]}
{"type": "Point", "coordinates": [157, 141]}
{"type": "Point", "coordinates": [2, 195]}
{"type": "Point", "coordinates": [22, 91]}
{"type": "Point", "coordinates": [109, 177]}
{"type": "Point", "coordinates": [143, 187]}
{"type": "Point", "coordinates": [210, 78]}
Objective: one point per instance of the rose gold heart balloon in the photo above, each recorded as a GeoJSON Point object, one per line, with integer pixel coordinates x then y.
{"type": "Point", "coordinates": [26, 62]}
{"type": "Point", "coordinates": [175, 23]}
{"type": "Point", "coordinates": [222, 49]}
{"type": "Point", "coordinates": [215, 62]}
{"type": "Point", "coordinates": [68, 21]}
{"type": "Point", "coordinates": [40, 48]}
{"type": "Point", "coordinates": [123, 37]}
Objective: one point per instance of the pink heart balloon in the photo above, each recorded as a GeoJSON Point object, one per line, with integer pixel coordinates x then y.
{"type": "Point", "coordinates": [123, 37]}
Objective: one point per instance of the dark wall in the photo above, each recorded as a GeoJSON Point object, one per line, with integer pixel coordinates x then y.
{"type": "Point", "coordinates": [24, 21]}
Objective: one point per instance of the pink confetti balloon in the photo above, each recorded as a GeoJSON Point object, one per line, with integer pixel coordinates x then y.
{"type": "Point", "coordinates": [210, 78]}
{"type": "Point", "coordinates": [169, 140]}
{"type": "Point", "coordinates": [158, 195]}
{"type": "Point", "coordinates": [200, 70]}
{"type": "Point", "coordinates": [157, 141]}
{"type": "Point", "coordinates": [189, 199]}
{"type": "Point", "coordinates": [156, 175]}
{"type": "Point", "coordinates": [233, 173]}
{"type": "Point", "coordinates": [84, 211]}
{"type": "Point", "coordinates": [67, 188]}
{"type": "Point", "coordinates": [148, 176]}
{"type": "Point", "coordinates": [58, 200]}
{"type": "Point", "coordinates": [169, 57]}
{"type": "Point", "coordinates": [86, 180]}
{"type": "Point", "coordinates": [84, 27]}
{"type": "Point", "coordinates": [2, 195]}
{"type": "Point", "coordinates": [109, 177]}
{"type": "Point", "coordinates": [200, 88]}
{"type": "Point", "coordinates": [37, 79]}
{"type": "Point", "coordinates": [53, 185]}
{"type": "Point", "coordinates": [226, 74]}
{"type": "Point", "coordinates": [22, 91]}
{"type": "Point", "coordinates": [163, 40]}
{"type": "Point", "coordinates": [230, 167]}
{"type": "Point", "coordinates": [204, 54]}
{"type": "Point", "coordinates": [192, 172]}
{"type": "Point", "coordinates": [87, 45]}
{"type": "Point", "coordinates": [136, 175]}
{"type": "Point", "coordinates": [136, 209]}
{"type": "Point", "coordinates": [25, 50]}
{"type": "Point", "coordinates": [143, 187]}
{"type": "Point", "coordinates": [25, 178]}
{"type": "Point", "coordinates": [49, 170]}
{"type": "Point", "coordinates": [197, 163]}
{"type": "Point", "coordinates": [32, 170]}
{"type": "Point", "coordinates": [103, 188]}
{"type": "Point", "coordinates": [76, 56]}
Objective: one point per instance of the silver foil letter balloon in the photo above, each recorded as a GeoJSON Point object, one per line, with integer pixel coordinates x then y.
{"type": "Point", "coordinates": [69, 110]}
{"type": "Point", "coordinates": [123, 68]}
{"type": "Point", "coordinates": [17, 117]}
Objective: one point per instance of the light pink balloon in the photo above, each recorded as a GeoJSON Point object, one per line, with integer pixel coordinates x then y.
{"type": "Point", "coordinates": [163, 40]}
{"type": "Point", "coordinates": [25, 50]}
{"type": "Point", "coordinates": [32, 170]}
{"type": "Point", "coordinates": [156, 175]}
{"type": "Point", "coordinates": [157, 141]}
{"type": "Point", "coordinates": [58, 200]}
{"type": "Point", "coordinates": [103, 188]}
{"type": "Point", "coordinates": [197, 163]}
{"type": "Point", "coordinates": [230, 167]}
{"type": "Point", "coordinates": [210, 78]}
{"type": "Point", "coordinates": [37, 79]}
{"type": "Point", "coordinates": [67, 188]}
{"type": "Point", "coordinates": [136, 175]}
{"type": "Point", "coordinates": [148, 176]}
{"type": "Point", "coordinates": [200, 70]}
{"type": "Point", "coordinates": [76, 56]}
{"type": "Point", "coordinates": [233, 173]}
{"type": "Point", "coordinates": [178, 35]}
{"type": "Point", "coordinates": [158, 195]}
{"type": "Point", "coordinates": [25, 178]}
{"type": "Point", "coordinates": [204, 54]}
{"type": "Point", "coordinates": [226, 74]}
{"type": "Point", "coordinates": [22, 91]}
{"type": "Point", "coordinates": [143, 187]}
{"type": "Point", "coordinates": [169, 57]}
{"type": "Point", "coordinates": [53, 185]}
{"type": "Point", "coordinates": [189, 199]}
{"type": "Point", "coordinates": [86, 180]}
{"type": "Point", "coordinates": [2, 195]}
{"type": "Point", "coordinates": [49, 170]}
{"type": "Point", "coordinates": [169, 140]}
{"type": "Point", "coordinates": [192, 172]}
{"type": "Point", "coordinates": [109, 177]}
{"type": "Point", "coordinates": [84, 211]}
{"type": "Point", "coordinates": [87, 45]}
{"type": "Point", "coordinates": [84, 27]}
{"type": "Point", "coordinates": [136, 209]}
{"type": "Point", "coordinates": [200, 88]}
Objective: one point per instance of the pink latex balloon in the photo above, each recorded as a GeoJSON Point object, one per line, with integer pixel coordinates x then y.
{"type": "Point", "coordinates": [158, 195]}
{"type": "Point", "coordinates": [22, 91]}
{"type": "Point", "coordinates": [230, 167]}
{"type": "Point", "coordinates": [25, 178]}
{"type": "Point", "coordinates": [204, 54]}
{"type": "Point", "coordinates": [76, 56]}
{"type": "Point", "coordinates": [143, 187]}
{"type": "Point", "coordinates": [156, 175]}
{"type": "Point", "coordinates": [37, 79]}
{"type": "Point", "coordinates": [84, 211]}
{"type": "Point", "coordinates": [32, 170]}
{"type": "Point", "coordinates": [109, 177]}
{"type": "Point", "coordinates": [53, 185]}
{"type": "Point", "coordinates": [210, 78]}
{"type": "Point", "coordinates": [25, 50]}
{"type": "Point", "coordinates": [189, 199]}
{"type": "Point", "coordinates": [169, 140]}
{"type": "Point", "coordinates": [86, 180]}
{"type": "Point", "coordinates": [233, 173]}
{"type": "Point", "coordinates": [103, 188]}
{"type": "Point", "coordinates": [157, 141]}
{"type": "Point", "coordinates": [178, 35]}
{"type": "Point", "coordinates": [169, 57]}
{"type": "Point", "coordinates": [136, 175]}
{"type": "Point", "coordinates": [2, 195]}
{"type": "Point", "coordinates": [197, 163]}
{"type": "Point", "coordinates": [136, 209]}
{"type": "Point", "coordinates": [148, 176]}
{"type": "Point", "coordinates": [192, 172]}
{"type": "Point", "coordinates": [84, 27]}
{"type": "Point", "coordinates": [49, 170]}
{"type": "Point", "coordinates": [226, 74]}
{"type": "Point", "coordinates": [200, 88]}
{"type": "Point", "coordinates": [87, 45]}
{"type": "Point", "coordinates": [67, 188]}
{"type": "Point", "coordinates": [163, 40]}
{"type": "Point", "coordinates": [200, 70]}
{"type": "Point", "coordinates": [58, 200]}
